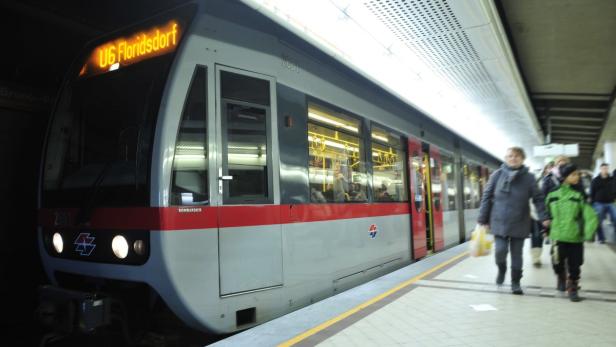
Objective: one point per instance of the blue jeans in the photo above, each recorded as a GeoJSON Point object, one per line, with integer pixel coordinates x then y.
{"type": "Point", "coordinates": [602, 209]}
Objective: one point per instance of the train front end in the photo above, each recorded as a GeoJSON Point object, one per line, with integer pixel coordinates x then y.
{"type": "Point", "coordinates": [98, 214]}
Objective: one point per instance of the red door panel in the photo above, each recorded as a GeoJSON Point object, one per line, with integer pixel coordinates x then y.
{"type": "Point", "coordinates": [416, 198]}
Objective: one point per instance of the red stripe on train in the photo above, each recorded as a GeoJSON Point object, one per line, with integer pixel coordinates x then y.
{"type": "Point", "coordinates": [198, 217]}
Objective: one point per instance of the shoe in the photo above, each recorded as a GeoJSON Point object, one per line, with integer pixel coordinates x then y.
{"type": "Point", "coordinates": [572, 290]}
{"type": "Point", "coordinates": [602, 242]}
{"type": "Point", "coordinates": [561, 284]}
{"type": "Point", "coordinates": [502, 270]}
{"type": "Point", "coordinates": [535, 253]}
{"type": "Point", "coordinates": [516, 275]}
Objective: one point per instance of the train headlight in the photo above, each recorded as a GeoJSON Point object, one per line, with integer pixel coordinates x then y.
{"type": "Point", "coordinates": [139, 247]}
{"type": "Point", "coordinates": [58, 243]}
{"type": "Point", "coordinates": [119, 245]}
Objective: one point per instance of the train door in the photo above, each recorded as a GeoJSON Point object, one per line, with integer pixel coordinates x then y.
{"type": "Point", "coordinates": [432, 188]}
{"type": "Point", "coordinates": [417, 198]}
{"type": "Point", "coordinates": [436, 201]}
{"type": "Point", "coordinates": [249, 230]}
{"type": "Point", "coordinates": [427, 188]}
{"type": "Point", "coordinates": [472, 195]}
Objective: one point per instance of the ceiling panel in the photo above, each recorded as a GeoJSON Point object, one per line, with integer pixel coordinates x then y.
{"type": "Point", "coordinates": [566, 50]}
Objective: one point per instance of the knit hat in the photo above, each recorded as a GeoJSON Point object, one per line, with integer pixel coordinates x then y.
{"type": "Point", "coordinates": [567, 170]}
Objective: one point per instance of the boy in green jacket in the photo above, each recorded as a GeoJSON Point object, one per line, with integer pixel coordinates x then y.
{"type": "Point", "coordinates": [573, 221]}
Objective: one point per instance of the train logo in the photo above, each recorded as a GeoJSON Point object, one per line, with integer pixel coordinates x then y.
{"type": "Point", "coordinates": [84, 244]}
{"type": "Point", "coordinates": [372, 231]}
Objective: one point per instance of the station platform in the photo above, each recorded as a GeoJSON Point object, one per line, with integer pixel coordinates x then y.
{"type": "Point", "coordinates": [450, 299]}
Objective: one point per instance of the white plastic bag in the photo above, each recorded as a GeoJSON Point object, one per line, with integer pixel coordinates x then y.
{"type": "Point", "coordinates": [481, 241]}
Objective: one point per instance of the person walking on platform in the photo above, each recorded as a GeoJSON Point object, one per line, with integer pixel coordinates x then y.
{"type": "Point", "coordinates": [505, 209]}
{"type": "Point", "coordinates": [552, 180]}
{"type": "Point", "coordinates": [537, 229]}
{"type": "Point", "coordinates": [602, 197]}
{"type": "Point", "coordinates": [573, 220]}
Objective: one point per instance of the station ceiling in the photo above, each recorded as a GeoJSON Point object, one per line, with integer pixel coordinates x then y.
{"type": "Point", "coordinates": [566, 51]}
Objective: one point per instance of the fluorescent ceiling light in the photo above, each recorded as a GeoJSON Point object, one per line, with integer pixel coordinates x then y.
{"type": "Point", "coordinates": [381, 138]}
{"type": "Point", "coordinates": [330, 121]}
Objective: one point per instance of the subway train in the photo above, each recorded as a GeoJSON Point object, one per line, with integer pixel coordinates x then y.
{"type": "Point", "coordinates": [213, 165]}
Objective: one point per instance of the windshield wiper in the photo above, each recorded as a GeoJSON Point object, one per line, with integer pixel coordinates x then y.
{"type": "Point", "coordinates": [85, 212]}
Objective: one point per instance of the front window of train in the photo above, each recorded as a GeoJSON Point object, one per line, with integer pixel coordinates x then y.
{"type": "Point", "coordinates": [101, 139]}
{"type": "Point", "coordinates": [100, 144]}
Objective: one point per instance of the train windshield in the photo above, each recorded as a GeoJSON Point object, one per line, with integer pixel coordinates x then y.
{"type": "Point", "coordinates": [99, 146]}
{"type": "Point", "coordinates": [100, 143]}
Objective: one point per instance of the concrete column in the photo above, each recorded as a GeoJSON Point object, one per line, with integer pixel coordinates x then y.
{"type": "Point", "coordinates": [609, 154]}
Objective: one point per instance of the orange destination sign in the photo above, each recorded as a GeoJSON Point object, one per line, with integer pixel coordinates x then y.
{"type": "Point", "coordinates": [125, 51]}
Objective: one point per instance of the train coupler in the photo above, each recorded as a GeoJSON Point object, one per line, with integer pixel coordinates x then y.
{"type": "Point", "coordinates": [66, 310]}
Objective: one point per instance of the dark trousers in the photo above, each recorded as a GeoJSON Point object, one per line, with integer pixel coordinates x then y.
{"type": "Point", "coordinates": [502, 247]}
{"type": "Point", "coordinates": [536, 235]}
{"type": "Point", "coordinates": [567, 256]}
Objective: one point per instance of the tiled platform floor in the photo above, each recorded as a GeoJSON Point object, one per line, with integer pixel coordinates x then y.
{"type": "Point", "coordinates": [457, 305]}
{"type": "Point", "coordinates": [446, 310]}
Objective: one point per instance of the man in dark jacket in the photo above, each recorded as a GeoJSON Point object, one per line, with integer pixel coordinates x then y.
{"type": "Point", "coordinates": [504, 207]}
{"type": "Point", "coordinates": [602, 198]}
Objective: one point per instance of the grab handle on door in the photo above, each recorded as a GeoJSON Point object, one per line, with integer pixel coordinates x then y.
{"type": "Point", "coordinates": [225, 178]}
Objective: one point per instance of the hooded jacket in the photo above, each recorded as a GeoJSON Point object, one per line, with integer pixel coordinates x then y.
{"type": "Point", "coordinates": [572, 219]}
{"type": "Point", "coordinates": [504, 204]}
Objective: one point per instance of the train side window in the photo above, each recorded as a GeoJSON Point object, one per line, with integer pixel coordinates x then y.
{"type": "Point", "coordinates": [449, 183]}
{"type": "Point", "coordinates": [189, 183]}
{"type": "Point", "coordinates": [336, 169]}
{"type": "Point", "coordinates": [467, 187]}
{"type": "Point", "coordinates": [436, 170]}
{"type": "Point", "coordinates": [483, 180]}
{"type": "Point", "coordinates": [472, 194]}
{"type": "Point", "coordinates": [246, 139]}
{"type": "Point", "coordinates": [418, 178]}
{"type": "Point", "coordinates": [389, 174]}
{"type": "Point", "coordinates": [238, 87]}
{"type": "Point", "coordinates": [246, 153]}
{"type": "Point", "coordinates": [475, 191]}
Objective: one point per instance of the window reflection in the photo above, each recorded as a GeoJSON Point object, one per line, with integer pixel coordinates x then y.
{"type": "Point", "coordinates": [336, 167]}
{"type": "Point", "coordinates": [475, 193]}
{"type": "Point", "coordinates": [472, 193]}
{"type": "Point", "coordinates": [246, 149]}
{"type": "Point", "coordinates": [388, 176]}
{"type": "Point", "coordinates": [189, 185]}
{"type": "Point", "coordinates": [448, 182]}
{"type": "Point", "coordinates": [419, 181]}
{"type": "Point", "coordinates": [437, 187]}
